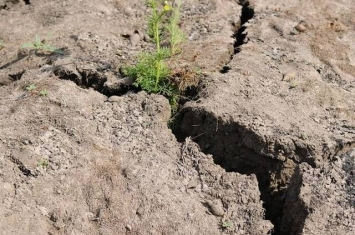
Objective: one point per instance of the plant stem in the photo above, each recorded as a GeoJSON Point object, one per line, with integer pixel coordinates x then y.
{"type": "Point", "coordinates": [157, 41]}
{"type": "Point", "coordinates": [157, 74]}
{"type": "Point", "coordinates": [157, 37]}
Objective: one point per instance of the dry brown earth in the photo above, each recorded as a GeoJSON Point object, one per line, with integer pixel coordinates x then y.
{"type": "Point", "coordinates": [265, 147]}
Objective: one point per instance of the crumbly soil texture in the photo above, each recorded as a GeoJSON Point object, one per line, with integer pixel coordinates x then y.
{"type": "Point", "coordinates": [264, 145]}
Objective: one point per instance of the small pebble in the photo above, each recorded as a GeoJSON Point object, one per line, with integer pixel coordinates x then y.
{"type": "Point", "coordinates": [216, 209]}
{"type": "Point", "coordinates": [129, 227]}
{"type": "Point", "coordinates": [289, 76]}
{"type": "Point", "coordinates": [301, 27]}
{"type": "Point", "coordinates": [135, 38]}
{"type": "Point", "coordinates": [140, 211]}
{"type": "Point", "coordinates": [115, 98]}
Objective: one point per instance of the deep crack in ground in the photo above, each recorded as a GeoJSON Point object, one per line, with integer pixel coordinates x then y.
{"type": "Point", "coordinates": [240, 35]}
{"type": "Point", "coordinates": [226, 142]}
{"type": "Point", "coordinates": [235, 148]}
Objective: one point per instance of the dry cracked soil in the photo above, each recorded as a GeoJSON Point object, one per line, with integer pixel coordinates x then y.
{"type": "Point", "coordinates": [265, 144]}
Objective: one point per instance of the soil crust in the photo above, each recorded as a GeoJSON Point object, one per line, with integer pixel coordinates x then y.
{"type": "Point", "coordinates": [265, 145]}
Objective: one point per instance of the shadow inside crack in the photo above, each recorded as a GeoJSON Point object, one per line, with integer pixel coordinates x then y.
{"type": "Point", "coordinates": [240, 35]}
{"type": "Point", "coordinates": [237, 148]}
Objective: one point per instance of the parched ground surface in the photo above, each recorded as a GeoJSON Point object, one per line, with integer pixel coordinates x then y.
{"type": "Point", "coordinates": [265, 147]}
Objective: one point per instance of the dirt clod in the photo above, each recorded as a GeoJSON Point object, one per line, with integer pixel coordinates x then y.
{"type": "Point", "coordinates": [134, 39]}
{"type": "Point", "coordinates": [301, 27]}
{"type": "Point", "coordinates": [216, 208]}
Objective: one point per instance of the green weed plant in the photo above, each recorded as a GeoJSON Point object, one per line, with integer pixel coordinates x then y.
{"type": "Point", "coordinates": [151, 71]}
{"type": "Point", "coordinates": [40, 45]}
{"type": "Point", "coordinates": [33, 90]}
{"type": "Point", "coordinates": [43, 92]}
{"type": "Point", "coordinates": [226, 224]}
{"type": "Point", "coordinates": [176, 36]}
{"type": "Point", "coordinates": [31, 87]}
{"type": "Point", "coordinates": [43, 163]}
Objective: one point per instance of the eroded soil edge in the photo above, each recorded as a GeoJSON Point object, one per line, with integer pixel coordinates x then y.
{"type": "Point", "coordinates": [238, 149]}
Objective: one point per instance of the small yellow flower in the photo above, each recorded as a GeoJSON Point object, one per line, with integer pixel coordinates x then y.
{"type": "Point", "coordinates": [166, 6]}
